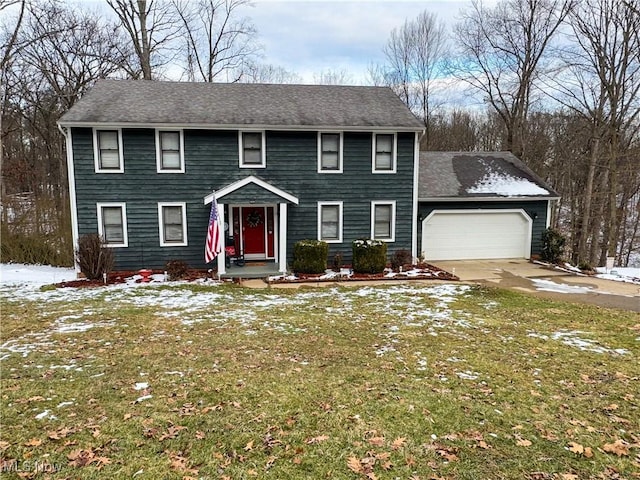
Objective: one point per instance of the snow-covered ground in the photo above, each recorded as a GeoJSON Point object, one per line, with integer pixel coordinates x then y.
{"type": "Point", "coordinates": [18, 273]}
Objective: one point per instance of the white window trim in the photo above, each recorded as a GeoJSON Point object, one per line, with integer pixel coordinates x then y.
{"type": "Point", "coordinates": [125, 236]}
{"type": "Point", "coordinates": [163, 243]}
{"type": "Point", "coordinates": [393, 219]}
{"type": "Point", "coordinates": [340, 152]}
{"type": "Point", "coordinates": [96, 151]}
{"type": "Point", "coordinates": [159, 152]}
{"type": "Point", "coordinates": [340, 221]}
{"type": "Point", "coordinates": [263, 150]}
{"type": "Point", "coordinates": [394, 152]}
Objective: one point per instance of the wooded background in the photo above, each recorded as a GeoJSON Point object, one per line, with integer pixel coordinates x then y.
{"type": "Point", "coordinates": [560, 81]}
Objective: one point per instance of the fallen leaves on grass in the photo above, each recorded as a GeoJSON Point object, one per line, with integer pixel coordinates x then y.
{"type": "Point", "coordinates": [619, 448]}
{"type": "Point", "coordinates": [580, 450]}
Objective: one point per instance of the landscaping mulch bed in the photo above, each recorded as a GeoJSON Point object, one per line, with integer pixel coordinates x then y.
{"type": "Point", "coordinates": [422, 271]}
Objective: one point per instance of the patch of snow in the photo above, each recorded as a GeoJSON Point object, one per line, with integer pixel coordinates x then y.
{"type": "Point", "coordinates": [620, 274]}
{"type": "Point", "coordinates": [141, 386]}
{"type": "Point", "coordinates": [571, 339]}
{"type": "Point", "coordinates": [64, 404]}
{"type": "Point", "coordinates": [45, 414]}
{"type": "Point", "coordinates": [143, 398]}
{"type": "Point", "coordinates": [550, 286]}
{"type": "Point", "coordinates": [468, 375]}
{"type": "Point", "coordinates": [507, 186]}
{"type": "Point", "coordinates": [19, 273]}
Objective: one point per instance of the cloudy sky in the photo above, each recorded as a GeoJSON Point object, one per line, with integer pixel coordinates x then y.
{"type": "Point", "coordinates": [310, 36]}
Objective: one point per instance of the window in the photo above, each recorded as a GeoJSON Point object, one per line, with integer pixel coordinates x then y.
{"type": "Point", "coordinates": [170, 151]}
{"type": "Point", "coordinates": [112, 224]}
{"type": "Point", "coordinates": [330, 222]}
{"type": "Point", "coordinates": [329, 152]}
{"type": "Point", "coordinates": [384, 153]}
{"type": "Point", "coordinates": [252, 149]}
{"type": "Point", "coordinates": [172, 220]}
{"type": "Point", "coordinates": [108, 151]}
{"type": "Point", "coordinates": [383, 220]}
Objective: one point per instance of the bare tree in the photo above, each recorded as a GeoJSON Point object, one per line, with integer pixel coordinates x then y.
{"type": "Point", "coordinates": [151, 25]}
{"type": "Point", "coordinates": [502, 51]}
{"type": "Point", "coordinates": [414, 56]}
{"type": "Point", "coordinates": [217, 42]}
{"type": "Point", "coordinates": [601, 83]}
{"type": "Point", "coordinates": [333, 77]}
{"type": "Point", "coordinates": [253, 72]}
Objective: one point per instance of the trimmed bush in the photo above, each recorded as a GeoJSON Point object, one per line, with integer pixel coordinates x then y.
{"type": "Point", "coordinates": [177, 269]}
{"type": "Point", "coordinates": [369, 256]}
{"type": "Point", "coordinates": [552, 245]}
{"type": "Point", "coordinates": [401, 258]}
{"type": "Point", "coordinates": [94, 258]}
{"type": "Point", "coordinates": [310, 256]}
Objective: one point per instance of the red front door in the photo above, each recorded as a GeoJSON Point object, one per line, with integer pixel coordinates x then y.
{"type": "Point", "coordinates": [253, 231]}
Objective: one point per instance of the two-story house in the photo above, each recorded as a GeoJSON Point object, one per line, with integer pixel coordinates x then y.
{"type": "Point", "coordinates": [283, 162]}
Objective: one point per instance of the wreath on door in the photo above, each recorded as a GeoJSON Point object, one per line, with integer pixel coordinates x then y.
{"type": "Point", "coordinates": [254, 219]}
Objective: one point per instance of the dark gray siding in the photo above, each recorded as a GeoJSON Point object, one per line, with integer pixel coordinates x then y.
{"type": "Point", "coordinates": [211, 162]}
{"type": "Point", "coordinates": [536, 209]}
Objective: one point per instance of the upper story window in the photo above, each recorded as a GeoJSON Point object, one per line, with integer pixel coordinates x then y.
{"type": "Point", "coordinates": [329, 152]}
{"type": "Point", "coordinates": [108, 151]}
{"type": "Point", "coordinates": [330, 222]}
{"type": "Point", "coordinates": [252, 150]}
{"type": "Point", "coordinates": [112, 224]}
{"type": "Point", "coordinates": [383, 221]}
{"type": "Point", "coordinates": [384, 153]}
{"type": "Point", "coordinates": [172, 220]}
{"type": "Point", "coordinates": [170, 151]}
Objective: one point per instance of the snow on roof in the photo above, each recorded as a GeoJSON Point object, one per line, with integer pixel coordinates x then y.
{"type": "Point", "coordinates": [503, 184]}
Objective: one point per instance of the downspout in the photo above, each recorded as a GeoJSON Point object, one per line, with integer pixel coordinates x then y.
{"type": "Point", "coordinates": [72, 194]}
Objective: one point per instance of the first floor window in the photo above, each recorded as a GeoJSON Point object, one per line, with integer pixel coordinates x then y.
{"type": "Point", "coordinates": [383, 221]}
{"type": "Point", "coordinates": [108, 151]}
{"type": "Point", "coordinates": [173, 224]}
{"type": "Point", "coordinates": [170, 153]}
{"type": "Point", "coordinates": [384, 153]}
{"type": "Point", "coordinates": [112, 224]}
{"type": "Point", "coordinates": [330, 222]}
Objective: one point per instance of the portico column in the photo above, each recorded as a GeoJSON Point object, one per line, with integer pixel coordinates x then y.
{"type": "Point", "coordinates": [222, 267]}
{"type": "Point", "coordinates": [283, 238]}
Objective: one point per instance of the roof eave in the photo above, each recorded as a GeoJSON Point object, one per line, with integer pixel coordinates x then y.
{"type": "Point", "coordinates": [215, 126]}
{"type": "Point", "coordinates": [486, 199]}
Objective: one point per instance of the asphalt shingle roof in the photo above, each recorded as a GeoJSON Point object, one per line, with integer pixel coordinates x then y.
{"type": "Point", "coordinates": [142, 102]}
{"type": "Point", "coordinates": [457, 174]}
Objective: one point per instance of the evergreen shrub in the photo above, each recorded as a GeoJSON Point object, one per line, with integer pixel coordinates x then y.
{"type": "Point", "coordinates": [310, 256]}
{"type": "Point", "coordinates": [552, 245]}
{"type": "Point", "coordinates": [369, 256]}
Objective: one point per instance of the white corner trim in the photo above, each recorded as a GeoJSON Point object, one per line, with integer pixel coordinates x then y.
{"type": "Point", "coordinates": [218, 194]}
{"type": "Point", "coordinates": [73, 202]}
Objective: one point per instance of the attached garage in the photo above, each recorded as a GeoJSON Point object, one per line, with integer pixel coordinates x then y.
{"type": "Point", "coordinates": [480, 205]}
{"type": "Point", "coordinates": [476, 234]}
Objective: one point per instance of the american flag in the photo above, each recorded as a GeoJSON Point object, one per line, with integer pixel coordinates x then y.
{"type": "Point", "coordinates": [212, 247]}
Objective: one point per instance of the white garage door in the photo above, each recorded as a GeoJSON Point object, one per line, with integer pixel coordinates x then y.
{"type": "Point", "coordinates": [476, 234]}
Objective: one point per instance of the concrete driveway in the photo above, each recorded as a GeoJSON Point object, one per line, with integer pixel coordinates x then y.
{"type": "Point", "coordinates": [524, 276]}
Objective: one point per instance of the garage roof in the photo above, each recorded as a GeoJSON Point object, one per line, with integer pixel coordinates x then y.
{"type": "Point", "coordinates": [478, 175]}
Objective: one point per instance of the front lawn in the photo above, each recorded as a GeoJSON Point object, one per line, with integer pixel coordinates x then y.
{"type": "Point", "coordinates": [398, 381]}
